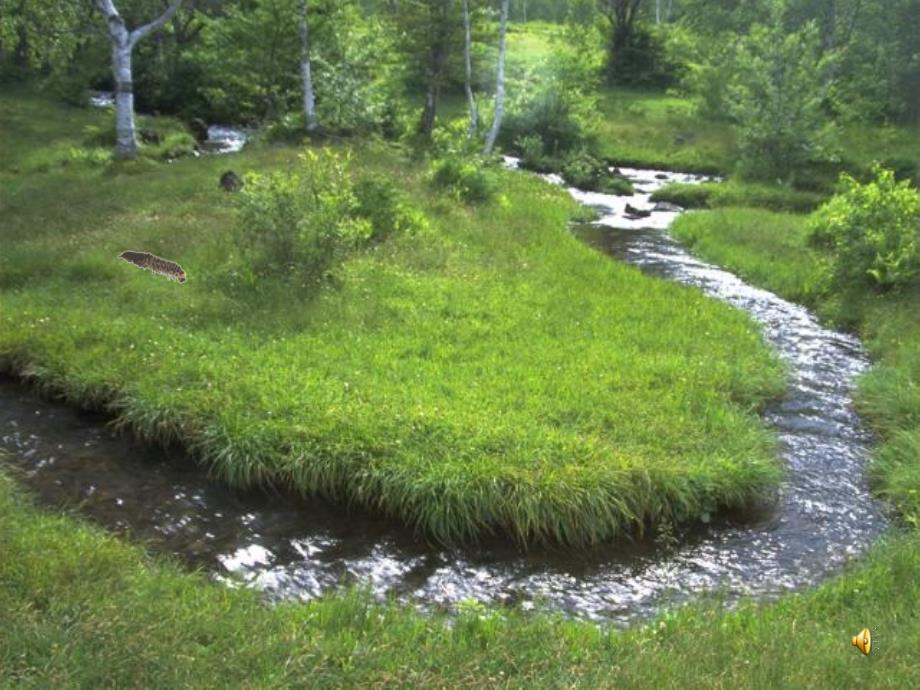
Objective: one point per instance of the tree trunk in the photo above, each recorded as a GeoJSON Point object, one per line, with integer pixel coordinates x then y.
{"type": "Point", "coordinates": [467, 39]}
{"type": "Point", "coordinates": [658, 11]}
{"type": "Point", "coordinates": [125, 139]}
{"type": "Point", "coordinates": [123, 42]}
{"type": "Point", "coordinates": [499, 82]}
{"type": "Point", "coordinates": [309, 99]}
{"type": "Point", "coordinates": [436, 68]}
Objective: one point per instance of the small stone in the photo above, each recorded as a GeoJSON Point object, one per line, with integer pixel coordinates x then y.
{"type": "Point", "coordinates": [231, 182]}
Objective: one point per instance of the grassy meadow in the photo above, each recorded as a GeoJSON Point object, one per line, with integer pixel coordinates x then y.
{"type": "Point", "coordinates": [462, 382]}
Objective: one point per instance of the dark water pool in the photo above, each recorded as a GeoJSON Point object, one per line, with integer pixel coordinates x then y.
{"type": "Point", "coordinates": [294, 548]}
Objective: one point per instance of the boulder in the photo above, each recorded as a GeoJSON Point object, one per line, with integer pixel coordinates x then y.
{"type": "Point", "coordinates": [634, 213]}
{"type": "Point", "coordinates": [666, 207]}
{"type": "Point", "coordinates": [149, 136]}
{"type": "Point", "coordinates": [199, 129]}
{"type": "Point", "coordinates": [231, 182]}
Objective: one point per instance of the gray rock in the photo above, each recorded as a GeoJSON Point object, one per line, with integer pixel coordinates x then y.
{"type": "Point", "coordinates": [199, 129]}
{"type": "Point", "coordinates": [231, 182]}
{"type": "Point", "coordinates": [666, 207]}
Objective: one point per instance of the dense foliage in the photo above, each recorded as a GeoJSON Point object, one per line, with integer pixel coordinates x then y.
{"type": "Point", "coordinates": [873, 233]}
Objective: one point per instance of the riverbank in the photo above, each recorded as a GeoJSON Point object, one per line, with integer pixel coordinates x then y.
{"type": "Point", "coordinates": [132, 621]}
{"type": "Point", "coordinates": [82, 609]}
{"type": "Point", "coordinates": [770, 250]}
{"type": "Point", "coordinates": [462, 382]}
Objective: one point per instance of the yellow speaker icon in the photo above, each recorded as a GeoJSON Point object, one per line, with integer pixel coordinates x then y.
{"type": "Point", "coordinates": [863, 641]}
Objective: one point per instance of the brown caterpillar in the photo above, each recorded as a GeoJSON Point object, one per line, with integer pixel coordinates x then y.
{"type": "Point", "coordinates": [148, 261]}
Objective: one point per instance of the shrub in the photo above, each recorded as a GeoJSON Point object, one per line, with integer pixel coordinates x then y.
{"type": "Point", "coordinates": [562, 116]}
{"type": "Point", "coordinates": [386, 208]}
{"type": "Point", "coordinates": [465, 178]}
{"type": "Point", "coordinates": [872, 231]}
{"type": "Point", "coordinates": [584, 171]}
{"type": "Point", "coordinates": [296, 224]}
{"type": "Point", "coordinates": [530, 147]}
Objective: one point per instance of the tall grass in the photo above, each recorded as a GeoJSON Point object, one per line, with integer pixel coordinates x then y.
{"type": "Point", "coordinates": [84, 610]}
{"type": "Point", "coordinates": [493, 375]}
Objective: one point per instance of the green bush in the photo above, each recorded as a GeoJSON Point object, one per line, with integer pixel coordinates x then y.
{"type": "Point", "coordinates": [297, 224]}
{"type": "Point", "coordinates": [530, 147]}
{"type": "Point", "coordinates": [562, 116]}
{"type": "Point", "coordinates": [465, 178]}
{"type": "Point", "coordinates": [386, 208]}
{"type": "Point", "coordinates": [584, 171]}
{"type": "Point", "coordinates": [872, 231]}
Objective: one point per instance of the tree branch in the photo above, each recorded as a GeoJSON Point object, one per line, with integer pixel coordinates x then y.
{"type": "Point", "coordinates": [156, 24]}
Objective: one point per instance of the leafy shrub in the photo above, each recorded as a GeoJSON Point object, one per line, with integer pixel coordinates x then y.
{"type": "Point", "coordinates": [584, 171]}
{"type": "Point", "coordinates": [561, 115]}
{"type": "Point", "coordinates": [530, 147]}
{"type": "Point", "coordinates": [465, 178]}
{"type": "Point", "coordinates": [872, 231]}
{"type": "Point", "coordinates": [297, 224]}
{"type": "Point", "coordinates": [386, 208]}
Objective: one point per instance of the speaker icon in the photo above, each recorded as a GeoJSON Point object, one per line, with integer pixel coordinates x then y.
{"type": "Point", "coordinates": [863, 641]}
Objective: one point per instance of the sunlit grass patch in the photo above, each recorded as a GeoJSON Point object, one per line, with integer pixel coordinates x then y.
{"type": "Point", "coordinates": [493, 374]}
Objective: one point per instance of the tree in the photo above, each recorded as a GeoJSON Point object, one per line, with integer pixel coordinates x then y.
{"type": "Point", "coordinates": [474, 115]}
{"type": "Point", "coordinates": [123, 42]}
{"type": "Point", "coordinates": [774, 97]}
{"type": "Point", "coordinates": [499, 81]}
{"type": "Point", "coordinates": [437, 64]}
{"type": "Point", "coordinates": [623, 16]}
{"type": "Point", "coordinates": [309, 99]}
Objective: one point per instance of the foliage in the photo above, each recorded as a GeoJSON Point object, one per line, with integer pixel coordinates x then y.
{"type": "Point", "coordinates": [297, 224]}
{"type": "Point", "coordinates": [775, 99]}
{"type": "Point", "coordinates": [585, 171]}
{"type": "Point", "coordinates": [872, 232]}
{"type": "Point", "coordinates": [467, 178]}
{"type": "Point", "coordinates": [563, 116]}
{"type": "Point", "coordinates": [388, 209]}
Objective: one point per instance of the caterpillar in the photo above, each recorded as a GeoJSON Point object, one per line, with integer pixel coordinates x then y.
{"type": "Point", "coordinates": [148, 261]}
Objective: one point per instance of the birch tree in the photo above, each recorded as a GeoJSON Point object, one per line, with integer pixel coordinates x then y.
{"type": "Point", "coordinates": [309, 99]}
{"type": "Point", "coordinates": [123, 42]}
{"type": "Point", "coordinates": [499, 81]}
{"type": "Point", "coordinates": [468, 64]}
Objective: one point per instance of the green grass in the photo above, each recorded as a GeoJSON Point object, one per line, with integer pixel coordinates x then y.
{"type": "Point", "coordinates": [651, 129]}
{"type": "Point", "coordinates": [763, 247]}
{"type": "Point", "coordinates": [462, 382]}
{"type": "Point", "coordinates": [84, 610]}
{"type": "Point", "coordinates": [770, 250]}
{"type": "Point", "coordinates": [735, 193]}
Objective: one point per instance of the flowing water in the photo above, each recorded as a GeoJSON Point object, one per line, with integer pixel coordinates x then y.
{"type": "Point", "coordinates": [297, 548]}
{"type": "Point", "coordinates": [221, 138]}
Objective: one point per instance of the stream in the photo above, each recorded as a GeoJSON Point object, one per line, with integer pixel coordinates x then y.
{"type": "Point", "coordinates": [296, 548]}
{"type": "Point", "coordinates": [221, 138]}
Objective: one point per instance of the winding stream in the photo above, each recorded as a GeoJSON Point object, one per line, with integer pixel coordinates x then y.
{"type": "Point", "coordinates": [823, 516]}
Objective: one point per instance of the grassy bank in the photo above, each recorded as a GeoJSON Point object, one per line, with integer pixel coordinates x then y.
{"type": "Point", "coordinates": [462, 381]}
{"type": "Point", "coordinates": [770, 250]}
{"type": "Point", "coordinates": [82, 609]}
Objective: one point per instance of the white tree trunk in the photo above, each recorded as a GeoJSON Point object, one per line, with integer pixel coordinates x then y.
{"type": "Point", "coordinates": [125, 139]}
{"type": "Point", "coordinates": [667, 14]}
{"type": "Point", "coordinates": [467, 39]}
{"type": "Point", "coordinates": [123, 42]}
{"type": "Point", "coordinates": [499, 82]}
{"type": "Point", "coordinates": [658, 11]}
{"type": "Point", "coordinates": [309, 99]}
